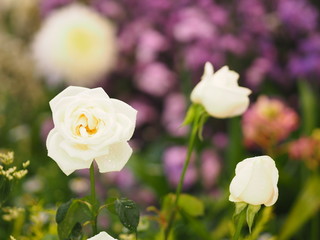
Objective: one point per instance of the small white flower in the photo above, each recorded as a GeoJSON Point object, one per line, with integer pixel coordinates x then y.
{"type": "Point", "coordinates": [75, 44]}
{"type": "Point", "coordinates": [88, 125]}
{"type": "Point", "coordinates": [102, 236]}
{"type": "Point", "coordinates": [220, 93]}
{"type": "Point", "coordinates": [255, 182]}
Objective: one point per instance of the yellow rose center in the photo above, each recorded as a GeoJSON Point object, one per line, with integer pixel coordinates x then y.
{"type": "Point", "coordinates": [86, 125]}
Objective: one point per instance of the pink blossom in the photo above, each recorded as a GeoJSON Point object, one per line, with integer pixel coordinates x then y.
{"type": "Point", "coordinates": [268, 122]}
{"type": "Point", "coordinates": [174, 113]}
{"type": "Point", "coordinates": [155, 79]}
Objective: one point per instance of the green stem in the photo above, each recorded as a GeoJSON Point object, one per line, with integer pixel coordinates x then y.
{"type": "Point", "coordinates": [93, 200]}
{"type": "Point", "coordinates": [239, 226]}
{"type": "Point", "coordinates": [180, 185]}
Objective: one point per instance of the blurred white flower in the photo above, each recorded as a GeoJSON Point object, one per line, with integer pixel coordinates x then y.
{"type": "Point", "coordinates": [88, 125]}
{"type": "Point", "coordinates": [102, 236]}
{"type": "Point", "coordinates": [75, 44]}
{"type": "Point", "coordinates": [255, 182]}
{"type": "Point", "coordinates": [220, 94]}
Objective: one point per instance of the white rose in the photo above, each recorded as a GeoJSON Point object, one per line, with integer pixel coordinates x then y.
{"type": "Point", "coordinates": [88, 125]}
{"type": "Point", "coordinates": [102, 236]}
{"type": "Point", "coordinates": [220, 93]}
{"type": "Point", "coordinates": [255, 182]}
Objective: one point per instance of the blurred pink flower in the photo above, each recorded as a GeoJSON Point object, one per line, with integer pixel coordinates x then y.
{"type": "Point", "coordinates": [267, 122]}
{"type": "Point", "coordinates": [174, 113]}
{"type": "Point", "coordinates": [210, 168]}
{"type": "Point", "coordinates": [306, 149]}
{"type": "Point", "coordinates": [123, 179]}
{"type": "Point", "coordinates": [193, 24]}
{"type": "Point", "coordinates": [174, 158]}
{"type": "Point", "coordinates": [156, 79]}
{"type": "Point", "coordinates": [303, 148]}
{"type": "Point", "coordinates": [146, 113]}
{"type": "Point", "coordinates": [220, 140]}
{"type": "Point", "coordinates": [256, 73]}
{"type": "Point", "coordinates": [150, 43]}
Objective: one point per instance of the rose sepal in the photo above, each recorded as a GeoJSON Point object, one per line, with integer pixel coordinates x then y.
{"type": "Point", "coordinates": [252, 210]}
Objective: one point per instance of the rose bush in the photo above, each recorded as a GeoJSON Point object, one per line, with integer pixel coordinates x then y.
{"type": "Point", "coordinates": [220, 94]}
{"type": "Point", "coordinates": [88, 125]}
{"type": "Point", "coordinates": [255, 182]}
{"type": "Point", "coordinates": [102, 236]}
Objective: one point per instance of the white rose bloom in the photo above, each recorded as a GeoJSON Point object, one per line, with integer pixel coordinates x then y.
{"type": "Point", "coordinates": [255, 182]}
{"type": "Point", "coordinates": [220, 94]}
{"type": "Point", "coordinates": [102, 236]}
{"type": "Point", "coordinates": [88, 125]}
{"type": "Point", "coordinates": [75, 44]}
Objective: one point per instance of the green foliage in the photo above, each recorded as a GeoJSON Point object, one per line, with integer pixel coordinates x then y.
{"type": "Point", "coordinates": [307, 204]}
{"type": "Point", "coordinates": [70, 216]}
{"type": "Point", "coordinates": [127, 211]}
{"type": "Point", "coordinates": [191, 205]}
{"type": "Point", "coordinates": [308, 105]}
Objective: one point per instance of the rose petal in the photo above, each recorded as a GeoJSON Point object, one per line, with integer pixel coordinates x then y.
{"type": "Point", "coordinates": [69, 91]}
{"type": "Point", "coordinates": [130, 113]}
{"type": "Point", "coordinates": [67, 163]}
{"type": "Point", "coordinates": [118, 156]}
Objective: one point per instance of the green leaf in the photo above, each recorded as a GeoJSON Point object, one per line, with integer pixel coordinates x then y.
{"type": "Point", "coordinates": [308, 104]}
{"type": "Point", "coordinates": [76, 232]}
{"type": "Point", "coordinates": [62, 211]}
{"type": "Point", "coordinates": [191, 205]}
{"type": "Point", "coordinates": [128, 213]}
{"type": "Point", "coordinates": [72, 214]}
{"type": "Point", "coordinates": [111, 205]}
{"type": "Point", "coordinates": [251, 213]}
{"type": "Point", "coordinates": [307, 205]}
{"type": "Point", "coordinates": [168, 203]}
{"type": "Point", "coordinates": [260, 224]}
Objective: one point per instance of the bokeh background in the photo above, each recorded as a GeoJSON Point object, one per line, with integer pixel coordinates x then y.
{"type": "Point", "coordinates": [162, 46]}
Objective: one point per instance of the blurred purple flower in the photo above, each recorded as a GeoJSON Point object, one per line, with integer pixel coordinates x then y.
{"type": "Point", "coordinates": [298, 15]}
{"type": "Point", "coordinates": [305, 63]}
{"type": "Point", "coordinates": [155, 79]}
{"type": "Point", "coordinates": [174, 113]}
{"type": "Point", "coordinates": [174, 158]}
{"type": "Point", "coordinates": [196, 55]}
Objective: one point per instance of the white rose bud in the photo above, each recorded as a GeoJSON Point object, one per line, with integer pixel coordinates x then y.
{"type": "Point", "coordinates": [255, 182]}
{"type": "Point", "coordinates": [102, 236]}
{"type": "Point", "coordinates": [88, 125]}
{"type": "Point", "coordinates": [220, 94]}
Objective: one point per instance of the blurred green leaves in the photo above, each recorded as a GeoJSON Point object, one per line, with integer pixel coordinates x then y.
{"type": "Point", "coordinates": [307, 204]}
